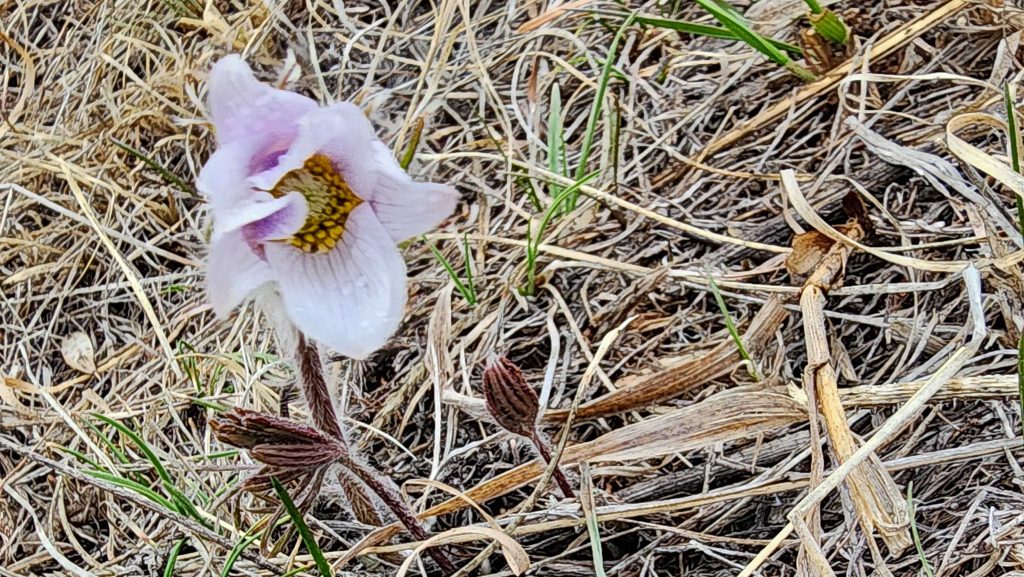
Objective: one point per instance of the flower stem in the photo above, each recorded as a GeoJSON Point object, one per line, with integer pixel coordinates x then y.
{"type": "Point", "coordinates": [398, 506]}
{"type": "Point", "coordinates": [321, 408]}
{"type": "Point", "coordinates": [545, 453]}
{"type": "Point", "coordinates": [314, 386]}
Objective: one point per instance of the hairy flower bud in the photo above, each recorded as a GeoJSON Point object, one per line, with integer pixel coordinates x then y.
{"type": "Point", "coordinates": [510, 400]}
{"type": "Point", "coordinates": [275, 440]}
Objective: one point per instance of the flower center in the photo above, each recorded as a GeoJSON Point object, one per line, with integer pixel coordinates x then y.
{"type": "Point", "coordinates": [329, 198]}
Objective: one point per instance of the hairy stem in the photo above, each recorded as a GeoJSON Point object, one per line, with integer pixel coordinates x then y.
{"type": "Point", "coordinates": [560, 479]}
{"type": "Point", "coordinates": [314, 386]}
{"type": "Point", "coordinates": [398, 506]}
{"type": "Point", "coordinates": [321, 408]}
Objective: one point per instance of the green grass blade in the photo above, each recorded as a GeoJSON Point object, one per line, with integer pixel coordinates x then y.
{"type": "Point", "coordinates": [297, 570]}
{"type": "Point", "coordinates": [110, 444]}
{"type": "Point", "coordinates": [590, 515]}
{"type": "Point", "coordinates": [167, 175]}
{"type": "Point", "coordinates": [813, 6]}
{"type": "Point", "coordinates": [80, 456]}
{"type": "Point", "coordinates": [531, 262]}
{"type": "Point", "coordinates": [141, 444]}
{"type": "Point", "coordinates": [133, 486]}
{"type": "Point", "coordinates": [414, 141]}
{"type": "Point", "coordinates": [466, 293]}
{"type": "Point", "coordinates": [1013, 135]}
{"type": "Point", "coordinates": [533, 240]}
{"type": "Point", "coordinates": [236, 552]}
{"type": "Point", "coordinates": [212, 405]}
{"type": "Point", "coordinates": [467, 260]}
{"type": "Point", "coordinates": [731, 20]}
{"type": "Point", "coordinates": [731, 327]}
{"type": "Point", "coordinates": [303, 529]}
{"type": "Point", "coordinates": [913, 531]}
{"type": "Point", "coordinates": [172, 558]}
{"type": "Point", "coordinates": [595, 109]}
{"type": "Point", "coordinates": [182, 503]}
{"type": "Point", "coordinates": [709, 31]}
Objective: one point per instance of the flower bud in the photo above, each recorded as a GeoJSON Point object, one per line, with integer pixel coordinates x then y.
{"type": "Point", "coordinates": [510, 400]}
{"type": "Point", "coordinates": [274, 440]}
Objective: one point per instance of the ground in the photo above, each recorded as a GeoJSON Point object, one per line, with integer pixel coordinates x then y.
{"type": "Point", "coordinates": [861, 231]}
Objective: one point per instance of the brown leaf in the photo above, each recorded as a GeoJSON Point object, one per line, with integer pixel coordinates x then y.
{"type": "Point", "coordinates": [809, 249]}
{"type": "Point", "coordinates": [685, 376]}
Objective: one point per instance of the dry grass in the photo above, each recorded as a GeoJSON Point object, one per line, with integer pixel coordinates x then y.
{"type": "Point", "coordinates": [691, 465]}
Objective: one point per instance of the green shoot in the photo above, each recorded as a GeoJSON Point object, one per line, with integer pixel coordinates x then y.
{"type": "Point", "coordinates": [913, 531]}
{"type": "Point", "coordinates": [1013, 135]}
{"type": "Point", "coordinates": [172, 558]}
{"type": "Point", "coordinates": [593, 530]}
{"type": "Point", "coordinates": [142, 445]}
{"type": "Point", "coordinates": [133, 486]}
{"type": "Point", "coordinates": [595, 111]}
{"type": "Point", "coordinates": [167, 175]}
{"type": "Point", "coordinates": [520, 178]}
{"type": "Point", "coordinates": [188, 364]}
{"type": "Point", "coordinates": [709, 31]}
{"type": "Point", "coordinates": [118, 453]}
{"type": "Point", "coordinates": [414, 141]}
{"type": "Point", "coordinates": [467, 290]}
{"type": "Point", "coordinates": [80, 456]}
{"type": "Point", "coordinates": [467, 261]}
{"type": "Point", "coordinates": [213, 406]}
{"type": "Point", "coordinates": [729, 18]}
{"type": "Point", "coordinates": [174, 289]}
{"type": "Point", "coordinates": [731, 327]}
{"type": "Point", "coordinates": [303, 529]}
{"type": "Point", "coordinates": [813, 6]}
{"type": "Point", "coordinates": [533, 240]}
{"type": "Point", "coordinates": [236, 552]}
{"type": "Point", "coordinates": [297, 570]}
{"type": "Point", "coordinates": [829, 26]}
{"type": "Point", "coordinates": [182, 503]}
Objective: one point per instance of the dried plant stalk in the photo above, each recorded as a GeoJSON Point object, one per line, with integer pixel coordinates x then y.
{"type": "Point", "coordinates": [729, 415]}
{"type": "Point", "coordinates": [877, 499]}
{"type": "Point", "coordinates": [686, 376]}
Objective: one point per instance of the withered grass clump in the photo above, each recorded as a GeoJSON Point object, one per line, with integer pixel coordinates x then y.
{"type": "Point", "coordinates": [884, 338]}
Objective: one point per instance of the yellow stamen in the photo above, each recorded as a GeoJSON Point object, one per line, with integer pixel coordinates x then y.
{"type": "Point", "coordinates": [329, 198]}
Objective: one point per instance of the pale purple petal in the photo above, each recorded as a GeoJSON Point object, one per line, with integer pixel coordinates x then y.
{"type": "Point", "coordinates": [342, 133]}
{"type": "Point", "coordinates": [265, 218]}
{"type": "Point", "coordinates": [282, 217]}
{"type": "Point", "coordinates": [232, 272]}
{"type": "Point", "coordinates": [350, 298]}
{"type": "Point", "coordinates": [407, 208]}
{"type": "Point", "coordinates": [243, 108]}
{"type": "Point", "coordinates": [222, 180]}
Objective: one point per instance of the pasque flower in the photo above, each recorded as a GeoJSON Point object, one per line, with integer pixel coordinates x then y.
{"type": "Point", "coordinates": [309, 199]}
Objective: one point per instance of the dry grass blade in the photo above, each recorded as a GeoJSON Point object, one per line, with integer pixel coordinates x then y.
{"type": "Point", "coordinates": [726, 416]}
{"type": "Point", "coordinates": [895, 423]}
{"type": "Point", "coordinates": [686, 376]}
{"type": "Point", "coordinates": [693, 467]}
{"type": "Point", "coordinates": [517, 559]}
{"type": "Point", "coordinates": [875, 496]}
{"type": "Point", "coordinates": [880, 49]}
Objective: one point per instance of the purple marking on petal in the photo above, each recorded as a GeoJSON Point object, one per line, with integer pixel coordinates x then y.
{"type": "Point", "coordinates": [265, 161]}
{"type": "Point", "coordinates": [268, 228]}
